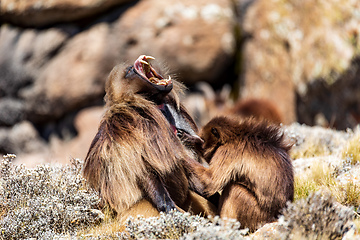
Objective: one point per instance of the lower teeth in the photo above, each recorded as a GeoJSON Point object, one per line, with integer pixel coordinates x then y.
{"type": "Point", "coordinates": [158, 81]}
{"type": "Point", "coordinates": [153, 80]}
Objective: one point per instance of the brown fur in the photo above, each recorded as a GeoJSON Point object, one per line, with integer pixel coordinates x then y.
{"type": "Point", "coordinates": [260, 109]}
{"type": "Point", "coordinates": [135, 154]}
{"type": "Point", "coordinates": [249, 163]}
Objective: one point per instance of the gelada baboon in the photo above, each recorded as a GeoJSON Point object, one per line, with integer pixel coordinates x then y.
{"type": "Point", "coordinates": [259, 109]}
{"type": "Point", "coordinates": [137, 153]}
{"type": "Point", "coordinates": [250, 165]}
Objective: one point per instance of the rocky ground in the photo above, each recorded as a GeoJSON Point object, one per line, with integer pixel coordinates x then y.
{"type": "Point", "coordinates": [55, 56]}
{"type": "Point", "coordinates": [302, 55]}
{"type": "Point", "coordinates": [52, 201]}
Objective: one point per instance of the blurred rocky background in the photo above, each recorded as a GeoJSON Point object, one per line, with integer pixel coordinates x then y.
{"type": "Point", "coordinates": [302, 56]}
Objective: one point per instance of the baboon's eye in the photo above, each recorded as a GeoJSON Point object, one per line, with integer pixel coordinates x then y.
{"type": "Point", "coordinates": [180, 133]}
{"type": "Point", "coordinates": [129, 71]}
{"type": "Point", "coordinates": [215, 132]}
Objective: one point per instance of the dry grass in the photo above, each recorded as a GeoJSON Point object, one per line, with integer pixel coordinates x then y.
{"type": "Point", "coordinates": [318, 177]}
{"type": "Point", "coordinates": [109, 227]}
{"type": "Point", "coordinates": [322, 177]}
{"type": "Point", "coordinates": [45, 202]}
{"type": "Point", "coordinates": [311, 148]}
{"type": "Point", "coordinates": [357, 223]}
{"type": "Point", "coordinates": [351, 196]}
{"type": "Point", "coordinates": [352, 150]}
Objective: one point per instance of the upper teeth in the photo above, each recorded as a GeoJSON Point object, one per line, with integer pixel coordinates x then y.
{"type": "Point", "coordinates": [150, 57]}
{"type": "Point", "coordinates": [144, 62]}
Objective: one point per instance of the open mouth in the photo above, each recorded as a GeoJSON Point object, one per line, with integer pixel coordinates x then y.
{"type": "Point", "coordinates": [144, 69]}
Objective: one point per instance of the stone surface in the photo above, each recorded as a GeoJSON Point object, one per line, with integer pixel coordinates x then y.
{"type": "Point", "coordinates": [38, 13]}
{"type": "Point", "coordinates": [55, 71]}
{"type": "Point", "coordinates": [337, 105]}
{"type": "Point", "coordinates": [194, 38]}
{"type": "Point", "coordinates": [86, 123]}
{"type": "Point", "coordinates": [72, 79]}
{"type": "Point", "coordinates": [307, 65]}
{"type": "Point", "coordinates": [23, 52]}
{"type": "Point", "coordinates": [12, 111]}
{"type": "Point", "coordinates": [59, 151]}
{"type": "Point", "coordinates": [291, 45]}
{"type": "Point", "coordinates": [21, 138]}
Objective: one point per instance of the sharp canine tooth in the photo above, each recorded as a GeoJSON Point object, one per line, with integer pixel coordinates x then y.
{"type": "Point", "coordinates": [144, 62]}
{"type": "Point", "coordinates": [150, 57]}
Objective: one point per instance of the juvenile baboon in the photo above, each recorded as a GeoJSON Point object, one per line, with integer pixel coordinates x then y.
{"type": "Point", "coordinates": [136, 154]}
{"type": "Point", "coordinates": [259, 109]}
{"type": "Point", "coordinates": [249, 163]}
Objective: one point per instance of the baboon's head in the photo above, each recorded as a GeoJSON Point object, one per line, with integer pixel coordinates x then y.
{"type": "Point", "coordinates": [139, 78]}
{"type": "Point", "coordinates": [216, 133]}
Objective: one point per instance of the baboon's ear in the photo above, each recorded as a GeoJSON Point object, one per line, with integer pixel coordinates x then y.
{"type": "Point", "coordinates": [215, 132]}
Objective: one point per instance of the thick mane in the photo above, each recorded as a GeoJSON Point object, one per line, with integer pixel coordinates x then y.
{"type": "Point", "coordinates": [261, 133]}
{"type": "Point", "coordinates": [133, 135]}
{"type": "Point", "coordinates": [258, 133]}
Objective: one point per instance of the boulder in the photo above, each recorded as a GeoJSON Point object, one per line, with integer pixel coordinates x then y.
{"type": "Point", "coordinates": [39, 13]}
{"type": "Point", "coordinates": [20, 138]}
{"type": "Point", "coordinates": [86, 123]}
{"type": "Point", "coordinates": [195, 38]}
{"type": "Point", "coordinates": [335, 105]}
{"type": "Point", "coordinates": [23, 52]}
{"type": "Point", "coordinates": [74, 78]}
{"type": "Point", "coordinates": [12, 111]}
{"type": "Point", "coordinates": [290, 46]}
{"type": "Point", "coordinates": [49, 73]}
{"type": "Point", "coordinates": [57, 70]}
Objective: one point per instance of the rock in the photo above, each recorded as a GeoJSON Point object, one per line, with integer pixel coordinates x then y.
{"type": "Point", "coordinates": [12, 111]}
{"type": "Point", "coordinates": [337, 103]}
{"type": "Point", "coordinates": [268, 231]}
{"type": "Point", "coordinates": [329, 141]}
{"type": "Point", "coordinates": [351, 175]}
{"type": "Point", "coordinates": [205, 103]}
{"type": "Point", "coordinates": [290, 47]}
{"type": "Point", "coordinates": [38, 13]}
{"type": "Point", "coordinates": [21, 138]}
{"type": "Point", "coordinates": [63, 69]}
{"type": "Point", "coordinates": [195, 39]}
{"type": "Point", "coordinates": [48, 74]}
{"type": "Point", "coordinates": [23, 55]}
{"type": "Point", "coordinates": [266, 60]}
{"type": "Point", "coordinates": [86, 123]}
{"type": "Point", "coordinates": [74, 78]}
{"type": "Point", "coordinates": [31, 150]}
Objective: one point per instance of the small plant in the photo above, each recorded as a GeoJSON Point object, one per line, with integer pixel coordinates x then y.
{"type": "Point", "coordinates": [310, 148]}
{"type": "Point", "coordinates": [174, 225]}
{"type": "Point", "coordinates": [350, 194]}
{"type": "Point", "coordinates": [219, 229]}
{"type": "Point", "coordinates": [319, 176]}
{"type": "Point", "coordinates": [318, 216]}
{"type": "Point", "coordinates": [166, 226]}
{"type": "Point", "coordinates": [109, 228]}
{"type": "Point", "coordinates": [44, 202]}
{"type": "Point", "coordinates": [351, 151]}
